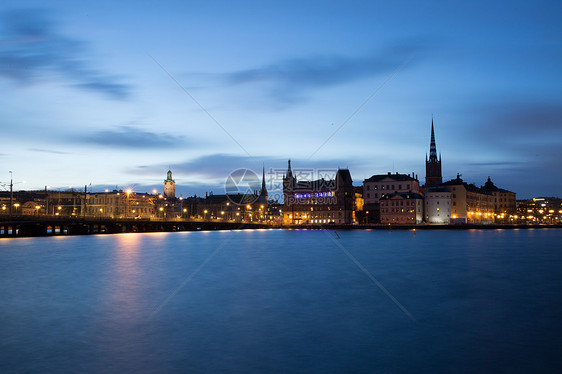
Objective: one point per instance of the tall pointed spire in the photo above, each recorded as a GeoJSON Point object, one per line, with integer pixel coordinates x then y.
{"type": "Point", "coordinates": [432, 146]}
{"type": "Point", "coordinates": [289, 171]}
{"type": "Point", "coordinates": [433, 164]}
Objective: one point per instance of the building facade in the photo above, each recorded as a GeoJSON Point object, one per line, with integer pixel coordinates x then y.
{"type": "Point", "coordinates": [437, 205]}
{"type": "Point", "coordinates": [379, 185]}
{"type": "Point", "coordinates": [120, 204]}
{"type": "Point", "coordinates": [169, 186]}
{"type": "Point", "coordinates": [505, 202]}
{"type": "Point", "coordinates": [375, 187]}
{"type": "Point", "coordinates": [401, 208]}
{"type": "Point", "coordinates": [469, 204]}
{"type": "Point", "coordinates": [320, 201]}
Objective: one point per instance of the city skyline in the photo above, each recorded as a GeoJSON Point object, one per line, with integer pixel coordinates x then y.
{"type": "Point", "coordinates": [110, 95]}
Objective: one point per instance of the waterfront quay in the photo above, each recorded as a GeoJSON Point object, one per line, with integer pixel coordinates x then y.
{"type": "Point", "coordinates": [44, 226]}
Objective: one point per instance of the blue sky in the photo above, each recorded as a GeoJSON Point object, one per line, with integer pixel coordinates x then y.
{"type": "Point", "coordinates": [91, 91]}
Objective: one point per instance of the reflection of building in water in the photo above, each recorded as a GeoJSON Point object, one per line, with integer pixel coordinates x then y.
{"type": "Point", "coordinates": [320, 201]}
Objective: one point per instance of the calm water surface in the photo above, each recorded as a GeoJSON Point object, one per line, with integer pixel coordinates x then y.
{"type": "Point", "coordinates": [270, 301]}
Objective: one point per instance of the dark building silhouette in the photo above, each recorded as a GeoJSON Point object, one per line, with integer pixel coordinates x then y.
{"type": "Point", "coordinates": [263, 191]}
{"type": "Point", "coordinates": [319, 201]}
{"type": "Point", "coordinates": [433, 175]}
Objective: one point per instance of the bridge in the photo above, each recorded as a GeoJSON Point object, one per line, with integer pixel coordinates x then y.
{"type": "Point", "coordinates": [44, 226]}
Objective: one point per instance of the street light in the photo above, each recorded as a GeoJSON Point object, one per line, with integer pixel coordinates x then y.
{"type": "Point", "coordinates": [128, 191]}
{"type": "Point", "coordinates": [11, 191]}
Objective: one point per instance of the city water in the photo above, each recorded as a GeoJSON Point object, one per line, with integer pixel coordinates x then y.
{"type": "Point", "coordinates": [277, 301]}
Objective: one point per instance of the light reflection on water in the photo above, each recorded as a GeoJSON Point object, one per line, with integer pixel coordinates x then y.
{"type": "Point", "coordinates": [282, 301]}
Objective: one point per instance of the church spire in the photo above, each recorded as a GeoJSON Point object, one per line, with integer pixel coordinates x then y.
{"type": "Point", "coordinates": [263, 188]}
{"type": "Point", "coordinates": [432, 146]}
{"type": "Point", "coordinates": [433, 164]}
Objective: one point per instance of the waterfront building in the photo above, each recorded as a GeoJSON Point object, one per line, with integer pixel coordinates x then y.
{"type": "Point", "coordinates": [239, 207]}
{"type": "Point", "coordinates": [546, 210]}
{"type": "Point", "coordinates": [469, 203]}
{"type": "Point", "coordinates": [55, 203]}
{"type": "Point", "coordinates": [169, 186]}
{"type": "Point", "coordinates": [120, 204]}
{"type": "Point", "coordinates": [33, 208]}
{"type": "Point", "coordinates": [401, 208]}
{"type": "Point", "coordinates": [319, 201]}
{"type": "Point", "coordinates": [375, 187]}
{"type": "Point", "coordinates": [505, 202]}
{"type": "Point", "coordinates": [437, 204]}
{"type": "Point", "coordinates": [433, 164]}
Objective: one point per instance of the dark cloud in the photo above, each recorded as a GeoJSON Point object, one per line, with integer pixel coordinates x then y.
{"type": "Point", "coordinates": [521, 120]}
{"type": "Point", "coordinates": [31, 48]}
{"type": "Point", "coordinates": [219, 166]}
{"type": "Point", "coordinates": [48, 151]}
{"type": "Point", "coordinates": [131, 137]}
{"type": "Point", "coordinates": [288, 80]}
{"type": "Point", "coordinates": [500, 163]}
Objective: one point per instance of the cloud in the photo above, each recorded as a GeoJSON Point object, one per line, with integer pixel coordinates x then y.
{"type": "Point", "coordinates": [131, 137]}
{"type": "Point", "coordinates": [219, 166]}
{"type": "Point", "coordinates": [31, 49]}
{"type": "Point", "coordinates": [499, 163]}
{"type": "Point", "coordinates": [47, 151]}
{"type": "Point", "coordinates": [521, 120]}
{"type": "Point", "coordinates": [288, 80]}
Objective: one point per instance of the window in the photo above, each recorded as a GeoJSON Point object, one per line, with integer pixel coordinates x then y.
{"type": "Point", "coordinates": [408, 187]}
{"type": "Point", "coordinates": [376, 195]}
{"type": "Point", "coordinates": [368, 187]}
{"type": "Point", "coordinates": [399, 186]}
{"type": "Point", "coordinates": [368, 195]}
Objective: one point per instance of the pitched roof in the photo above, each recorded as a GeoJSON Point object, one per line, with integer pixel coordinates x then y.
{"type": "Point", "coordinates": [437, 189]}
{"type": "Point", "coordinates": [395, 177]}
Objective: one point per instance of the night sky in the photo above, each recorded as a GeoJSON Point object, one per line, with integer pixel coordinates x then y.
{"type": "Point", "coordinates": [113, 94]}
